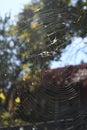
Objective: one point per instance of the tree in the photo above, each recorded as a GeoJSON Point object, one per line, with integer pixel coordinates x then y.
{"type": "Point", "coordinates": [5, 52]}
{"type": "Point", "coordinates": [37, 38]}
{"type": "Point", "coordinates": [28, 43]}
{"type": "Point", "coordinates": [59, 21]}
{"type": "Point", "coordinates": [62, 20]}
{"type": "Point", "coordinates": [29, 40]}
{"type": "Point", "coordinates": [9, 68]}
{"type": "Point", "coordinates": [34, 38]}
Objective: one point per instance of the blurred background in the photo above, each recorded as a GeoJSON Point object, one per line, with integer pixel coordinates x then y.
{"type": "Point", "coordinates": [36, 35]}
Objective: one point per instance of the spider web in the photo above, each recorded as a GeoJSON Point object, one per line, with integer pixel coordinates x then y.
{"type": "Point", "coordinates": [52, 102]}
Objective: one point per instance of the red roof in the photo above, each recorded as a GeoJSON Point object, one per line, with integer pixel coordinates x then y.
{"type": "Point", "coordinates": [65, 75]}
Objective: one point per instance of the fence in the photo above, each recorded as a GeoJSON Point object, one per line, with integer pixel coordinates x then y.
{"type": "Point", "coordinates": [51, 125]}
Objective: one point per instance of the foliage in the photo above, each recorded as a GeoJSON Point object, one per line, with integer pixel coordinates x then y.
{"type": "Point", "coordinates": [17, 100]}
{"type": "Point", "coordinates": [5, 116]}
{"type": "Point", "coordinates": [61, 21]}
{"type": "Point", "coordinates": [5, 120]}
{"type": "Point", "coordinates": [28, 46]}
{"type": "Point", "coordinates": [2, 96]}
{"type": "Point", "coordinates": [5, 52]}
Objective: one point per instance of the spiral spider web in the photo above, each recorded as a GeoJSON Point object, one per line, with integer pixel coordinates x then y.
{"type": "Point", "coordinates": [50, 102]}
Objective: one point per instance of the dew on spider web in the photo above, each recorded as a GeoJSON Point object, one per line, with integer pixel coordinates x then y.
{"type": "Point", "coordinates": [56, 99]}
